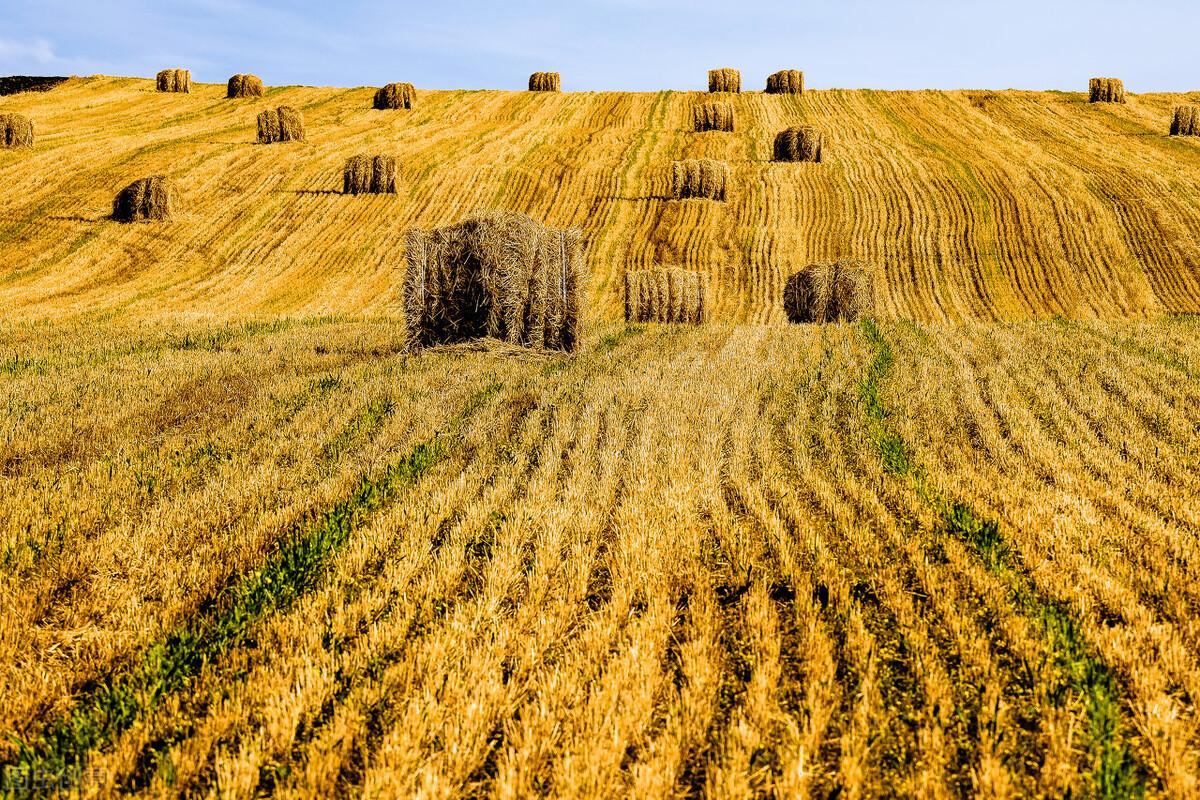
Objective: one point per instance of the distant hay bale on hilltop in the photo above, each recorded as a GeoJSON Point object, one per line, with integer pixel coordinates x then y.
{"type": "Point", "coordinates": [395, 96]}
{"type": "Point", "coordinates": [496, 274]}
{"type": "Point", "coordinates": [787, 81]}
{"type": "Point", "coordinates": [703, 178]}
{"type": "Point", "coordinates": [1186, 121]}
{"type": "Point", "coordinates": [369, 175]}
{"type": "Point", "coordinates": [175, 80]}
{"type": "Point", "coordinates": [16, 130]}
{"type": "Point", "coordinates": [283, 124]}
{"type": "Point", "coordinates": [805, 143]}
{"type": "Point", "coordinates": [145, 200]}
{"type": "Point", "coordinates": [1106, 90]}
{"type": "Point", "coordinates": [843, 291]}
{"type": "Point", "coordinates": [713, 117]}
{"type": "Point", "coordinates": [545, 82]}
{"type": "Point", "coordinates": [669, 295]}
{"type": "Point", "coordinates": [244, 86]}
{"type": "Point", "coordinates": [724, 80]}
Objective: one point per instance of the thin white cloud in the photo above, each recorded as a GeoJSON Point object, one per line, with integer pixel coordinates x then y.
{"type": "Point", "coordinates": [39, 50]}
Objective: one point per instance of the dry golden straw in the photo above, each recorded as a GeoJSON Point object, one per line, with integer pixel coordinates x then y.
{"type": "Point", "coordinates": [545, 82]}
{"type": "Point", "coordinates": [244, 86]}
{"type": "Point", "coordinates": [283, 124]}
{"type": "Point", "coordinates": [396, 96]}
{"type": "Point", "coordinates": [16, 130]}
{"type": "Point", "coordinates": [787, 81]}
{"type": "Point", "coordinates": [1186, 121]}
{"type": "Point", "coordinates": [175, 80]}
{"type": "Point", "coordinates": [842, 291]}
{"type": "Point", "coordinates": [702, 178]}
{"type": "Point", "coordinates": [496, 274]}
{"type": "Point", "coordinates": [365, 174]}
{"type": "Point", "coordinates": [145, 200]}
{"type": "Point", "coordinates": [713, 117]}
{"type": "Point", "coordinates": [669, 294]}
{"type": "Point", "coordinates": [1106, 90]}
{"type": "Point", "coordinates": [804, 143]}
{"type": "Point", "coordinates": [724, 80]}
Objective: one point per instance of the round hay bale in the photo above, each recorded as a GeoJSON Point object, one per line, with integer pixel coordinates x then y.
{"type": "Point", "coordinates": [146, 200]}
{"type": "Point", "coordinates": [174, 80]}
{"type": "Point", "coordinates": [805, 143]}
{"type": "Point", "coordinates": [787, 81]}
{"type": "Point", "coordinates": [703, 179]}
{"type": "Point", "coordinates": [365, 174]}
{"type": "Point", "coordinates": [1186, 121]}
{"type": "Point", "coordinates": [283, 124]}
{"type": "Point", "coordinates": [545, 82]}
{"type": "Point", "coordinates": [395, 96]}
{"type": "Point", "coordinates": [244, 86]}
{"type": "Point", "coordinates": [713, 117]}
{"type": "Point", "coordinates": [667, 295]}
{"type": "Point", "coordinates": [16, 131]}
{"type": "Point", "coordinates": [724, 80]}
{"type": "Point", "coordinates": [1106, 90]}
{"type": "Point", "coordinates": [830, 292]}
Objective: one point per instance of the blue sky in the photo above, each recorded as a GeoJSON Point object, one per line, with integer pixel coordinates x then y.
{"type": "Point", "coordinates": [616, 44]}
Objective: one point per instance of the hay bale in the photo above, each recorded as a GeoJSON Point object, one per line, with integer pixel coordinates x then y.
{"type": "Point", "coordinates": [668, 295]}
{"type": "Point", "coordinates": [496, 274]}
{"type": "Point", "coordinates": [244, 86]}
{"type": "Point", "coordinates": [702, 178]}
{"type": "Point", "coordinates": [283, 124]}
{"type": "Point", "coordinates": [395, 96]}
{"type": "Point", "coordinates": [148, 199]}
{"type": "Point", "coordinates": [787, 81]}
{"type": "Point", "coordinates": [545, 82]}
{"type": "Point", "coordinates": [16, 130]}
{"type": "Point", "coordinates": [804, 143]}
{"type": "Point", "coordinates": [369, 175]}
{"type": "Point", "coordinates": [724, 80]}
{"type": "Point", "coordinates": [175, 80]}
{"type": "Point", "coordinates": [713, 117]}
{"type": "Point", "coordinates": [1186, 121]}
{"type": "Point", "coordinates": [1106, 90]}
{"type": "Point", "coordinates": [842, 291]}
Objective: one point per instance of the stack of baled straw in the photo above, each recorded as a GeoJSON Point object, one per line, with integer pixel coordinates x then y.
{"type": "Point", "coordinates": [669, 295]}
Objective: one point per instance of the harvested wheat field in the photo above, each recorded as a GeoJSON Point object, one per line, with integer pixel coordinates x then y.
{"type": "Point", "coordinates": [253, 543]}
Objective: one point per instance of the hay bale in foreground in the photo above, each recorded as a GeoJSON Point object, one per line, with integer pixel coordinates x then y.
{"type": "Point", "coordinates": [244, 86]}
{"type": "Point", "coordinates": [842, 291]}
{"type": "Point", "coordinates": [670, 295]}
{"type": "Point", "coordinates": [702, 178]}
{"type": "Point", "coordinates": [496, 274]}
{"type": "Point", "coordinates": [145, 200]}
{"type": "Point", "coordinates": [545, 82]}
{"type": "Point", "coordinates": [283, 124]}
{"type": "Point", "coordinates": [16, 130]}
{"type": "Point", "coordinates": [804, 143]}
{"type": "Point", "coordinates": [1186, 121]}
{"type": "Point", "coordinates": [786, 81]}
{"type": "Point", "coordinates": [395, 96]}
{"type": "Point", "coordinates": [369, 175]}
{"type": "Point", "coordinates": [724, 80]}
{"type": "Point", "coordinates": [1106, 90]}
{"type": "Point", "coordinates": [713, 117]}
{"type": "Point", "coordinates": [175, 80]}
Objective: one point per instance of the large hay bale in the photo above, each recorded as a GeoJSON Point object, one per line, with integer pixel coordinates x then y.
{"type": "Point", "coordinates": [369, 175]}
{"type": "Point", "coordinates": [787, 81]}
{"type": "Point", "coordinates": [713, 117]}
{"type": "Point", "coordinates": [702, 178]}
{"type": "Point", "coordinates": [175, 80]}
{"type": "Point", "coordinates": [16, 130]}
{"type": "Point", "coordinates": [804, 143]}
{"type": "Point", "coordinates": [1186, 121]}
{"type": "Point", "coordinates": [669, 294]}
{"type": "Point", "coordinates": [283, 124]}
{"type": "Point", "coordinates": [395, 96]}
{"type": "Point", "coordinates": [724, 80]}
{"type": "Point", "coordinates": [842, 291]}
{"type": "Point", "coordinates": [148, 199]}
{"type": "Point", "coordinates": [244, 86]}
{"type": "Point", "coordinates": [545, 82]}
{"type": "Point", "coordinates": [495, 274]}
{"type": "Point", "coordinates": [1106, 90]}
